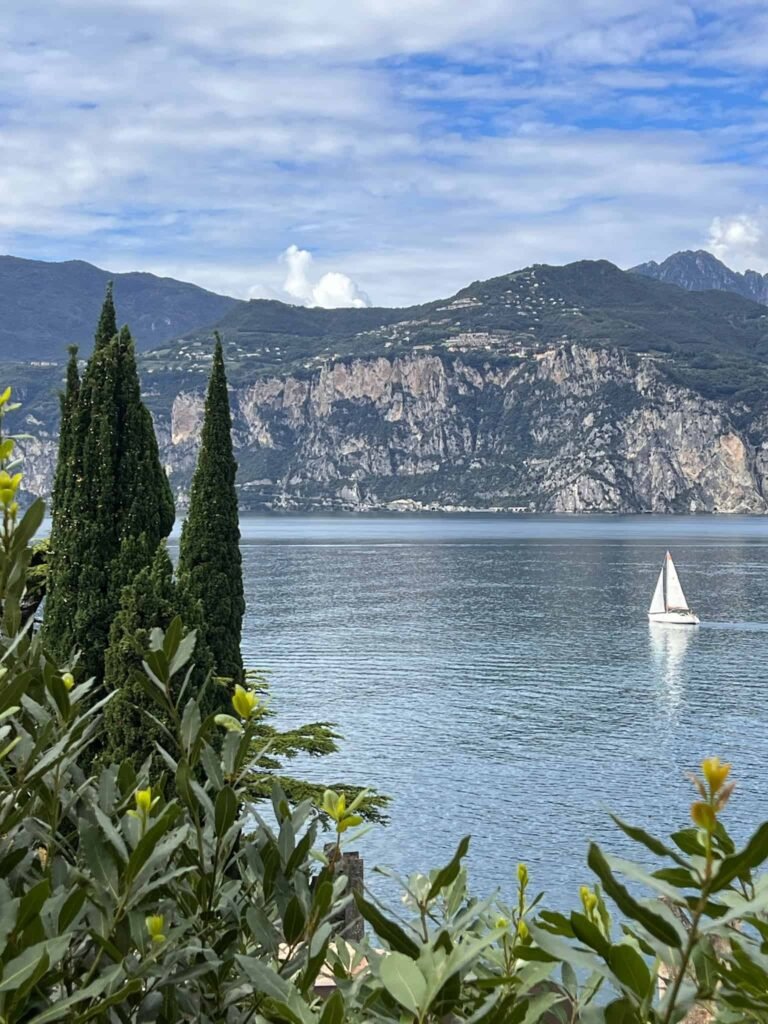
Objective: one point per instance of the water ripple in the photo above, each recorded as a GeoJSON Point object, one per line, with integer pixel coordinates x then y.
{"type": "Point", "coordinates": [498, 676]}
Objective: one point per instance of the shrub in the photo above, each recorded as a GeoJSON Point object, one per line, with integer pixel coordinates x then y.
{"type": "Point", "coordinates": [117, 905]}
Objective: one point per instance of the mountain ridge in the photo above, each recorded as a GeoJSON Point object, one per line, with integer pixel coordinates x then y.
{"type": "Point", "coordinates": [700, 270]}
{"type": "Point", "coordinates": [566, 389]}
{"type": "Point", "coordinates": [45, 306]}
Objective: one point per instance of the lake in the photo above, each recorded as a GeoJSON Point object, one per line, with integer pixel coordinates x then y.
{"type": "Point", "coordinates": [497, 675]}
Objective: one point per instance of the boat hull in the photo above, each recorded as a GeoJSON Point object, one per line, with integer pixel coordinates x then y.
{"type": "Point", "coordinates": [674, 618]}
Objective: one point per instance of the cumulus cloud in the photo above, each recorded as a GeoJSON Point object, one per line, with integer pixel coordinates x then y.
{"type": "Point", "coordinates": [740, 240]}
{"type": "Point", "coordinates": [537, 134]}
{"type": "Point", "coordinates": [330, 291]}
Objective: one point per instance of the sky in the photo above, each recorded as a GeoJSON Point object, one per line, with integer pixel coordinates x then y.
{"type": "Point", "coordinates": [380, 151]}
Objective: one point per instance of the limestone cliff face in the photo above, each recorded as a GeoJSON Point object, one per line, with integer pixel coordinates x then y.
{"type": "Point", "coordinates": [571, 429]}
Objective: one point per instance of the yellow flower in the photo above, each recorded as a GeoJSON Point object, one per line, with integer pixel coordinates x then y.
{"type": "Point", "coordinates": [522, 875]}
{"type": "Point", "coordinates": [715, 773]}
{"type": "Point", "coordinates": [8, 486]}
{"type": "Point", "coordinates": [502, 922]}
{"type": "Point", "coordinates": [68, 679]}
{"type": "Point", "coordinates": [244, 701]}
{"type": "Point", "coordinates": [335, 806]}
{"type": "Point", "coordinates": [143, 800]}
{"type": "Point", "coordinates": [703, 815]}
{"type": "Point", "coordinates": [144, 804]}
{"type": "Point", "coordinates": [155, 924]}
{"type": "Point", "coordinates": [588, 899]}
{"type": "Point", "coordinates": [522, 930]}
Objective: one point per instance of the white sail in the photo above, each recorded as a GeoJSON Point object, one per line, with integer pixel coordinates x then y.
{"type": "Point", "coordinates": [674, 596]}
{"type": "Point", "coordinates": [657, 604]}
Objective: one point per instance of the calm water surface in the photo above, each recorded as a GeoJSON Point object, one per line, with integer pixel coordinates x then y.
{"type": "Point", "coordinates": [498, 675]}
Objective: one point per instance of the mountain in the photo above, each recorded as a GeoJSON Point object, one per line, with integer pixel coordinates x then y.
{"type": "Point", "coordinates": [700, 271]}
{"type": "Point", "coordinates": [46, 306]}
{"type": "Point", "coordinates": [576, 388]}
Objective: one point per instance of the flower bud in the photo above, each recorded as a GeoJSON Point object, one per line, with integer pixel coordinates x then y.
{"type": "Point", "coordinates": [244, 702]}
{"type": "Point", "coordinates": [522, 875]}
{"type": "Point", "coordinates": [143, 801]}
{"type": "Point", "coordinates": [703, 816]}
{"type": "Point", "coordinates": [155, 924]}
{"type": "Point", "coordinates": [69, 680]}
{"type": "Point", "coordinates": [715, 773]}
{"type": "Point", "coordinates": [522, 930]}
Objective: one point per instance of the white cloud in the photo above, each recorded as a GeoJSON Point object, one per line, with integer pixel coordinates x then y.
{"type": "Point", "coordinates": [740, 241]}
{"type": "Point", "coordinates": [537, 132]}
{"type": "Point", "coordinates": [330, 291]}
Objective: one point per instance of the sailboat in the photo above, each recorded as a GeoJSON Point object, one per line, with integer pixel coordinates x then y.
{"type": "Point", "coordinates": [669, 603]}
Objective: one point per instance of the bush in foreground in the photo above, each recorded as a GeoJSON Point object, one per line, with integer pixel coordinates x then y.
{"type": "Point", "coordinates": [119, 906]}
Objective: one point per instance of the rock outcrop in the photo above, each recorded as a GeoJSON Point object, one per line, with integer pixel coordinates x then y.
{"type": "Point", "coordinates": [569, 429]}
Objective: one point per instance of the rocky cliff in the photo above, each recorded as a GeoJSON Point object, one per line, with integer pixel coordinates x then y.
{"type": "Point", "coordinates": [563, 389]}
{"type": "Point", "coordinates": [567, 429]}
{"type": "Point", "coordinates": [700, 271]}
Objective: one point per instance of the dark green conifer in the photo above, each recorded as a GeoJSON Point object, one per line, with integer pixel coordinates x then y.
{"type": "Point", "coordinates": [210, 567]}
{"type": "Point", "coordinates": [107, 326]}
{"type": "Point", "coordinates": [151, 600]}
{"type": "Point", "coordinates": [118, 502]}
{"type": "Point", "coordinates": [68, 409]}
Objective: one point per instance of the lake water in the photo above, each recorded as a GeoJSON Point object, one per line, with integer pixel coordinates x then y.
{"type": "Point", "coordinates": [498, 675]}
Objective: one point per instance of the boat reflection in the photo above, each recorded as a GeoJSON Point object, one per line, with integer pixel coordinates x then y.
{"type": "Point", "coordinates": [668, 646]}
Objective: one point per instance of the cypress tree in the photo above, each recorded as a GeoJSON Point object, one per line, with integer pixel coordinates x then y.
{"type": "Point", "coordinates": [106, 328]}
{"type": "Point", "coordinates": [151, 599]}
{"type": "Point", "coordinates": [210, 566]}
{"type": "Point", "coordinates": [117, 497]}
{"type": "Point", "coordinates": [68, 409]}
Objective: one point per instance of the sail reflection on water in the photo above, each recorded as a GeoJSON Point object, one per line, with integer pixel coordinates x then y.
{"type": "Point", "coordinates": [669, 645]}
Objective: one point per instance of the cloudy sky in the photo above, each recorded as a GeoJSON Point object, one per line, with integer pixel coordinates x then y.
{"type": "Point", "coordinates": [380, 150]}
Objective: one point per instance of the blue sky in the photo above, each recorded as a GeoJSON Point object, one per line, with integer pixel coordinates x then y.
{"type": "Point", "coordinates": [380, 150]}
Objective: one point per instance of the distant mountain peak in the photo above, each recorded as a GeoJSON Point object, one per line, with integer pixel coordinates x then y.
{"type": "Point", "coordinates": [698, 270]}
{"type": "Point", "coordinates": [45, 306]}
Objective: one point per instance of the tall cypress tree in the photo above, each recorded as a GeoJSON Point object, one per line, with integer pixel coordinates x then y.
{"type": "Point", "coordinates": [118, 501]}
{"type": "Point", "coordinates": [106, 328]}
{"type": "Point", "coordinates": [210, 566]}
{"type": "Point", "coordinates": [151, 600]}
{"type": "Point", "coordinates": [68, 408]}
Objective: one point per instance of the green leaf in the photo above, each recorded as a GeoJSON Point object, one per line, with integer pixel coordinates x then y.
{"type": "Point", "coordinates": [24, 966]}
{"type": "Point", "coordinates": [265, 979]}
{"type": "Point", "coordinates": [294, 921]}
{"type": "Point", "coordinates": [627, 904]}
{"type": "Point", "coordinates": [539, 1005]}
{"type": "Point", "coordinates": [226, 809]}
{"type": "Point", "coordinates": [63, 1007]}
{"type": "Point", "coordinates": [620, 1011]}
{"type": "Point", "coordinates": [743, 861]}
{"type": "Point", "coordinates": [681, 878]}
{"type": "Point", "coordinates": [651, 843]}
{"type": "Point", "coordinates": [631, 970]}
{"type": "Point", "coordinates": [447, 875]}
{"type": "Point", "coordinates": [555, 947]}
{"type": "Point", "coordinates": [29, 524]}
{"type": "Point", "coordinates": [403, 980]}
{"type": "Point", "coordinates": [688, 841]}
{"type": "Point", "coordinates": [588, 933]}
{"type": "Point", "coordinates": [333, 1011]}
{"type": "Point", "coordinates": [184, 653]}
{"type": "Point", "coordinates": [32, 903]}
{"type": "Point", "coordinates": [387, 929]}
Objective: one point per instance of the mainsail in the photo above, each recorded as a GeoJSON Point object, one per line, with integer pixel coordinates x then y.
{"type": "Point", "coordinates": [657, 604]}
{"type": "Point", "coordinates": [674, 598]}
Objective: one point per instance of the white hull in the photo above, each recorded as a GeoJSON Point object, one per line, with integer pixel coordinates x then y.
{"type": "Point", "coordinates": [683, 618]}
